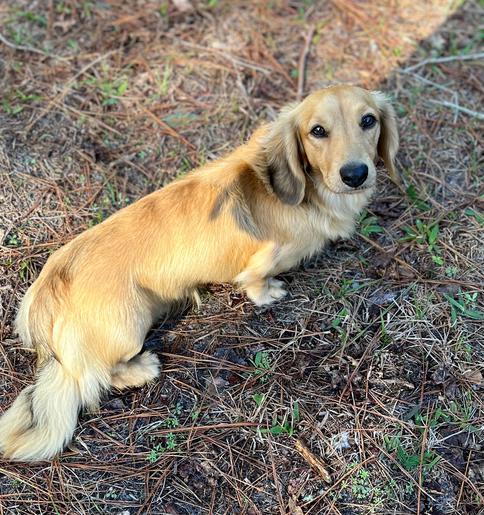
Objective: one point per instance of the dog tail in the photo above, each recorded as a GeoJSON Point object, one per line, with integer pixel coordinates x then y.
{"type": "Point", "coordinates": [42, 419]}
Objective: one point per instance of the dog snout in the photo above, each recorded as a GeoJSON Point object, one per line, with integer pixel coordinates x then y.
{"type": "Point", "coordinates": [354, 174]}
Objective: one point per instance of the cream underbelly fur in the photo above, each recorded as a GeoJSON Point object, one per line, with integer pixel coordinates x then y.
{"type": "Point", "coordinates": [242, 219]}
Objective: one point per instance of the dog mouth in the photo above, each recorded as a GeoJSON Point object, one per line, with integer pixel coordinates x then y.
{"type": "Point", "coordinates": [353, 191]}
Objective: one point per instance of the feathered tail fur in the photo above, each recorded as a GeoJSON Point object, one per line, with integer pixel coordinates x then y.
{"type": "Point", "coordinates": [42, 419]}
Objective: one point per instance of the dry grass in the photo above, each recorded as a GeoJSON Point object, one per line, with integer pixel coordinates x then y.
{"type": "Point", "coordinates": [375, 360]}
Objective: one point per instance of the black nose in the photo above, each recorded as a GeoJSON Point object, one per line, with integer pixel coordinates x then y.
{"type": "Point", "coordinates": [354, 174]}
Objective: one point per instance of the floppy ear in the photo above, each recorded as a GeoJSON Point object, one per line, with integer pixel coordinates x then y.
{"type": "Point", "coordinates": [285, 158]}
{"type": "Point", "coordinates": [388, 142]}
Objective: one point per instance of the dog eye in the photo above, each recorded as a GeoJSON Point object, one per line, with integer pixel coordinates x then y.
{"type": "Point", "coordinates": [319, 132]}
{"type": "Point", "coordinates": [368, 121]}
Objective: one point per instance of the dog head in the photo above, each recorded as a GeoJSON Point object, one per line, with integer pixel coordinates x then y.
{"type": "Point", "coordinates": [332, 138]}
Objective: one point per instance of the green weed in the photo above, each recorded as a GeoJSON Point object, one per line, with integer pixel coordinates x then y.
{"type": "Point", "coordinates": [451, 271]}
{"type": "Point", "coordinates": [23, 270]}
{"type": "Point", "coordinates": [464, 305]}
{"type": "Point", "coordinates": [111, 90]}
{"type": "Point", "coordinates": [14, 103]}
{"type": "Point", "coordinates": [163, 9]}
{"type": "Point", "coordinates": [425, 234]}
{"type": "Point", "coordinates": [410, 460]}
{"type": "Point", "coordinates": [360, 485]}
{"type": "Point", "coordinates": [339, 319]}
{"type": "Point", "coordinates": [367, 489]}
{"type": "Point", "coordinates": [10, 108]}
{"type": "Point", "coordinates": [284, 427]}
{"type": "Point", "coordinates": [163, 82]}
{"type": "Point", "coordinates": [416, 200]}
{"type": "Point", "coordinates": [29, 16]}
{"type": "Point", "coordinates": [385, 338]}
{"type": "Point", "coordinates": [13, 240]}
{"type": "Point", "coordinates": [348, 287]}
{"type": "Point", "coordinates": [263, 365]}
{"type": "Point", "coordinates": [63, 8]}
{"type": "Point", "coordinates": [72, 44]}
{"type": "Point", "coordinates": [258, 398]}
{"type": "Point", "coordinates": [474, 214]}
{"type": "Point", "coordinates": [463, 413]}
{"type": "Point", "coordinates": [171, 440]}
{"type": "Point", "coordinates": [369, 225]}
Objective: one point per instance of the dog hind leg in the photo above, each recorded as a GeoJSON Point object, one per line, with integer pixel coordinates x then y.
{"type": "Point", "coordinates": [138, 371]}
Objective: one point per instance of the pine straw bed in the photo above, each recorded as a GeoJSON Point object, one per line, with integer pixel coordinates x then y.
{"type": "Point", "coordinates": [359, 393]}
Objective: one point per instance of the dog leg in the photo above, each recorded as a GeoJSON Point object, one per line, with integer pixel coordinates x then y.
{"type": "Point", "coordinates": [256, 281]}
{"type": "Point", "coordinates": [265, 292]}
{"type": "Point", "coordinates": [138, 371]}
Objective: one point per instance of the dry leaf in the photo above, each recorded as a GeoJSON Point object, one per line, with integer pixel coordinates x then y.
{"type": "Point", "coordinates": [473, 375]}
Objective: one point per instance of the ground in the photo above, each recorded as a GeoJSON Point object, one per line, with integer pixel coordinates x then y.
{"type": "Point", "coordinates": [361, 392]}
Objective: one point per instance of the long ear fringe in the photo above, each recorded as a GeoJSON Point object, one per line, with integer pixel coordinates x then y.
{"type": "Point", "coordinates": [283, 158]}
{"type": "Point", "coordinates": [388, 142]}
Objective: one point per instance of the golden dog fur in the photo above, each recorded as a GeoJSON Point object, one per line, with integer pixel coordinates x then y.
{"type": "Point", "coordinates": [242, 219]}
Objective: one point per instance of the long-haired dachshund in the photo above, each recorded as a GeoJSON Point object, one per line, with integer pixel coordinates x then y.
{"type": "Point", "coordinates": [297, 183]}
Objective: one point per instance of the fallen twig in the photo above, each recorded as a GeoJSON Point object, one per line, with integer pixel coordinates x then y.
{"type": "Point", "coordinates": [169, 130]}
{"type": "Point", "coordinates": [447, 59]}
{"type": "Point", "coordinates": [25, 48]}
{"type": "Point", "coordinates": [302, 63]}
{"type": "Point", "coordinates": [208, 427]}
{"type": "Point", "coordinates": [314, 461]}
{"type": "Point", "coordinates": [457, 107]}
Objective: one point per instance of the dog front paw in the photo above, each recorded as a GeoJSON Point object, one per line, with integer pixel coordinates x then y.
{"type": "Point", "coordinates": [267, 292]}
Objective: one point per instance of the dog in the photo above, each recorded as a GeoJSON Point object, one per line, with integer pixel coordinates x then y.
{"type": "Point", "coordinates": [297, 183]}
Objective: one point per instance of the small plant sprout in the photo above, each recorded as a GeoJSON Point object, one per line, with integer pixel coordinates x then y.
{"type": "Point", "coordinates": [263, 365]}
{"type": "Point", "coordinates": [479, 217]}
{"type": "Point", "coordinates": [111, 90]}
{"type": "Point", "coordinates": [258, 398]}
{"type": "Point", "coordinates": [415, 199]}
{"type": "Point", "coordinates": [410, 459]}
{"type": "Point", "coordinates": [369, 225]}
{"type": "Point", "coordinates": [286, 426]}
{"type": "Point", "coordinates": [155, 453]}
{"type": "Point", "coordinates": [423, 234]}
{"type": "Point", "coordinates": [171, 440]}
{"type": "Point", "coordinates": [464, 305]}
